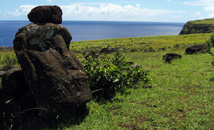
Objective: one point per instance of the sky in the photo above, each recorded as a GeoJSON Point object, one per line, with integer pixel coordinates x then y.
{"type": "Point", "coordinates": [115, 10]}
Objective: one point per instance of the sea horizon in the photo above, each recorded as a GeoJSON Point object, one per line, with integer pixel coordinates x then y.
{"type": "Point", "coordinates": [97, 30]}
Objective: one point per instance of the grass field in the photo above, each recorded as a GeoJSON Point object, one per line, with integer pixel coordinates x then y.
{"type": "Point", "coordinates": [182, 97]}
{"type": "Point", "coordinates": [182, 93]}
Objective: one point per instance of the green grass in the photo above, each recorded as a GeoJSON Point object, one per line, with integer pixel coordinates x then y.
{"type": "Point", "coordinates": [182, 97]}
{"type": "Point", "coordinates": [204, 21]}
{"type": "Point", "coordinates": [182, 93]}
{"type": "Point", "coordinates": [156, 43]}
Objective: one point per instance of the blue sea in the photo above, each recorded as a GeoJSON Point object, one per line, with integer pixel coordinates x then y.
{"type": "Point", "coordinates": [94, 30]}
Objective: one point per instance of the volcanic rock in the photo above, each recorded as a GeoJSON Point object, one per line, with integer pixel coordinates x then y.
{"type": "Point", "coordinates": [171, 56]}
{"type": "Point", "coordinates": [197, 48]}
{"type": "Point", "coordinates": [55, 76]}
{"type": "Point", "coordinates": [13, 83]}
{"type": "Point", "coordinates": [46, 14]}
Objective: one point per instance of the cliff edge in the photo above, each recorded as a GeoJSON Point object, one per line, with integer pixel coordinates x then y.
{"type": "Point", "coordinates": [198, 26]}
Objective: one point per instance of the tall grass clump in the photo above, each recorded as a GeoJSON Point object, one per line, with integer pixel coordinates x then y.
{"type": "Point", "coordinates": [108, 75]}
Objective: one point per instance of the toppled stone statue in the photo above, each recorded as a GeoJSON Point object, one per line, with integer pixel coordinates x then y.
{"type": "Point", "coordinates": [55, 77]}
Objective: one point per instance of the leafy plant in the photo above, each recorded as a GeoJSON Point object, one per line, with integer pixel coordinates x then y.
{"type": "Point", "coordinates": [108, 75]}
{"type": "Point", "coordinates": [210, 41]}
{"type": "Point", "coordinates": [8, 59]}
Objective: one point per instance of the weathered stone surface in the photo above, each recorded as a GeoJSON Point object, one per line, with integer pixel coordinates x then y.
{"type": "Point", "coordinates": [13, 83]}
{"type": "Point", "coordinates": [54, 75]}
{"type": "Point", "coordinates": [15, 99]}
{"type": "Point", "coordinates": [171, 56]}
{"type": "Point", "coordinates": [197, 48]}
{"type": "Point", "coordinates": [46, 14]}
{"type": "Point", "coordinates": [6, 68]}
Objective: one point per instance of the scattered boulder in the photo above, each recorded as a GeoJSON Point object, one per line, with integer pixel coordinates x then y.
{"type": "Point", "coordinates": [171, 56]}
{"type": "Point", "coordinates": [46, 14]}
{"type": "Point", "coordinates": [108, 50]}
{"type": "Point", "coordinates": [203, 48]}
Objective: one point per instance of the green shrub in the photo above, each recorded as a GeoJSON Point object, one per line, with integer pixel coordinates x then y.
{"type": "Point", "coordinates": [8, 58]}
{"type": "Point", "coordinates": [108, 75]}
{"type": "Point", "coordinates": [210, 41]}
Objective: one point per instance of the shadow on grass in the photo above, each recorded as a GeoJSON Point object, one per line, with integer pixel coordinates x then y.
{"type": "Point", "coordinates": [37, 120]}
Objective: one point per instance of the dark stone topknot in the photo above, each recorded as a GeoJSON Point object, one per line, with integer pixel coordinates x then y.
{"type": "Point", "coordinates": [46, 14]}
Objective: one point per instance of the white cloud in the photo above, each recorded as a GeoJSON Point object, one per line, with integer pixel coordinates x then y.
{"type": "Point", "coordinates": [100, 11]}
{"type": "Point", "coordinates": [22, 11]}
{"type": "Point", "coordinates": [208, 6]}
{"type": "Point", "coordinates": [178, 17]}
{"type": "Point", "coordinates": [200, 3]}
{"type": "Point", "coordinates": [137, 5]}
{"type": "Point", "coordinates": [111, 11]}
{"type": "Point", "coordinates": [210, 10]}
{"type": "Point", "coordinates": [198, 15]}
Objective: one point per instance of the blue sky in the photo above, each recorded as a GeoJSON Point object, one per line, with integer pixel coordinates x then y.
{"type": "Point", "coordinates": [115, 10]}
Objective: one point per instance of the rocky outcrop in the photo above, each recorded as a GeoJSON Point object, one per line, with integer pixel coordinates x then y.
{"type": "Point", "coordinates": [193, 27]}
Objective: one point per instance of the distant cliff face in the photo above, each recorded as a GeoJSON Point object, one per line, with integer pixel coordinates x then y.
{"type": "Point", "coordinates": [198, 26]}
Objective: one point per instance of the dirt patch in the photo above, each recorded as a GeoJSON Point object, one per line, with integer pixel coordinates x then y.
{"type": "Point", "coordinates": [181, 114]}
{"type": "Point", "coordinates": [114, 110]}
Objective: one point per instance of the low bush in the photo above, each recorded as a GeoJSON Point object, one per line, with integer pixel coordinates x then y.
{"type": "Point", "coordinates": [108, 75]}
{"type": "Point", "coordinates": [8, 59]}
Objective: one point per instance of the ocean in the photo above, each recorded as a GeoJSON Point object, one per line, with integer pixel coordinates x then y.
{"type": "Point", "coordinates": [95, 30]}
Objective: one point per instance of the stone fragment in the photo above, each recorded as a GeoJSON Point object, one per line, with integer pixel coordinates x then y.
{"type": "Point", "coordinates": [203, 48]}
{"type": "Point", "coordinates": [171, 56]}
{"type": "Point", "coordinates": [46, 14]}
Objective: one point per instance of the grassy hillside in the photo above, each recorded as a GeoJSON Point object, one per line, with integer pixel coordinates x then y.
{"type": "Point", "coordinates": [198, 26]}
{"type": "Point", "coordinates": [204, 21]}
{"type": "Point", "coordinates": [182, 93]}
{"type": "Point", "coordinates": [141, 44]}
